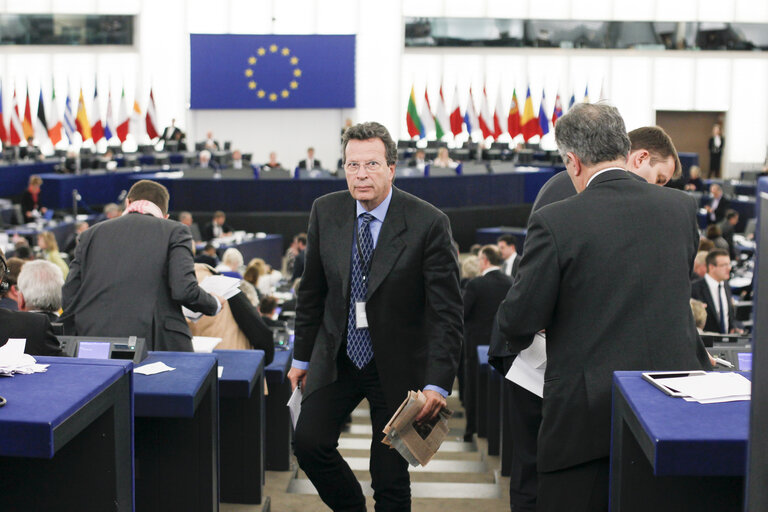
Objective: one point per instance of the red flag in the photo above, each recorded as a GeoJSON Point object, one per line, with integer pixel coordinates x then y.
{"type": "Point", "coordinates": [151, 117]}
{"type": "Point", "coordinates": [499, 116]}
{"type": "Point", "coordinates": [3, 134]}
{"type": "Point", "coordinates": [456, 119]}
{"type": "Point", "coordinates": [17, 131]}
{"type": "Point", "coordinates": [558, 112]}
{"type": "Point", "coordinates": [513, 122]}
{"type": "Point", "coordinates": [97, 130]}
{"type": "Point", "coordinates": [122, 119]}
{"type": "Point", "coordinates": [485, 119]}
{"type": "Point", "coordinates": [26, 124]}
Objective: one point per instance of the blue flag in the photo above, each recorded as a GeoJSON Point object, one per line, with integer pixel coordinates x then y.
{"type": "Point", "coordinates": [266, 71]}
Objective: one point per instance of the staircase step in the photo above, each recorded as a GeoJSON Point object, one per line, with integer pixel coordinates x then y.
{"type": "Point", "coordinates": [360, 429]}
{"type": "Point", "coordinates": [350, 443]}
{"type": "Point", "coordinates": [446, 490]}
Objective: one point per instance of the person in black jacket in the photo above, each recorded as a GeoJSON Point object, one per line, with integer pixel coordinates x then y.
{"type": "Point", "coordinates": [30, 199]}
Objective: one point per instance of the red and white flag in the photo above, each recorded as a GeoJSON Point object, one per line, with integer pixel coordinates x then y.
{"type": "Point", "coordinates": [456, 119]}
{"type": "Point", "coordinates": [152, 117]}
{"type": "Point", "coordinates": [97, 129]}
{"type": "Point", "coordinates": [16, 129]}
{"type": "Point", "coordinates": [499, 116]}
{"type": "Point", "coordinates": [485, 119]}
{"type": "Point", "coordinates": [122, 119]}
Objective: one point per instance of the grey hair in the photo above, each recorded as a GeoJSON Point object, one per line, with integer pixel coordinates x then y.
{"type": "Point", "coordinates": [40, 282]}
{"type": "Point", "coordinates": [594, 132]}
{"type": "Point", "coordinates": [232, 257]}
{"type": "Point", "coordinates": [370, 130]}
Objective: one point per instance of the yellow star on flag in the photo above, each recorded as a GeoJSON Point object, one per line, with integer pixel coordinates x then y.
{"type": "Point", "coordinates": [272, 96]}
{"type": "Point", "coordinates": [261, 51]}
{"type": "Point", "coordinates": [286, 51]}
{"type": "Point", "coordinates": [261, 93]}
{"type": "Point", "coordinates": [285, 93]}
{"type": "Point", "coordinates": [251, 84]}
{"type": "Point", "coordinates": [294, 60]}
{"type": "Point", "coordinates": [297, 72]}
{"type": "Point", "coordinates": [251, 60]}
{"type": "Point", "coordinates": [294, 84]}
{"type": "Point", "coordinates": [248, 72]}
{"type": "Point", "coordinates": [273, 48]}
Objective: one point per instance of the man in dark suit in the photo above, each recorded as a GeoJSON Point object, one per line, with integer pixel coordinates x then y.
{"type": "Point", "coordinates": [718, 205]}
{"type": "Point", "coordinates": [566, 284]}
{"type": "Point", "coordinates": [714, 291]}
{"type": "Point", "coordinates": [510, 259]}
{"type": "Point", "coordinates": [379, 313]}
{"type": "Point", "coordinates": [132, 274]}
{"type": "Point", "coordinates": [218, 227]}
{"type": "Point", "coordinates": [728, 229]}
{"type": "Point", "coordinates": [34, 327]}
{"type": "Point", "coordinates": [298, 261]}
{"type": "Point", "coordinates": [186, 219]}
{"type": "Point", "coordinates": [482, 297]}
{"type": "Point", "coordinates": [310, 163]}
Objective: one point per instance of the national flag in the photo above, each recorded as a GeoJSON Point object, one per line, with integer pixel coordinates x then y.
{"type": "Point", "coordinates": [513, 121]}
{"type": "Point", "coordinates": [16, 129]}
{"type": "Point", "coordinates": [586, 94]}
{"type": "Point", "coordinates": [543, 119]}
{"type": "Point", "coordinates": [151, 117]}
{"type": "Point", "coordinates": [412, 117]}
{"type": "Point", "coordinates": [572, 101]}
{"type": "Point", "coordinates": [122, 118]}
{"type": "Point", "coordinates": [54, 125]}
{"type": "Point", "coordinates": [485, 119]}
{"type": "Point", "coordinates": [470, 115]}
{"type": "Point", "coordinates": [602, 91]}
{"type": "Point", "coordinates": [427, 119]}
{"type": "Point", "coordinates": [26, 123]}
{"type": "Point", "coordinates": [70, 126]}
{"type": "Point", "coordinates": [109, 122]}
{"type": "Point", "coordinates": [97, 130]}
{"type": "Point", "coordinates": [456, 119]}
{"type": "Point", "coordinates": [136, 127]}
{"type": "Point", "coordinates": [42, 122]}
{"type": "Point", "coordinates": [558, 112]}
{"type": "Point", "coordinates": [529, 124]}
{"type": "Point", "coordinates": [442, 122]}
{"type": "Point", "coordinates": [81, 119]}
{"type": "Point", "coordinates": [3, 133]}
{"type": "Point", "coordinates": [499, 116]}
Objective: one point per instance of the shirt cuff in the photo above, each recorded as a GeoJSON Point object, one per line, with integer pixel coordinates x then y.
{"type": "Point", "coordinates": [440, 390]}
{"type": "Point", "coordinates": [218, 307]}
{"type": "Point", "coordinates": [300, 365]}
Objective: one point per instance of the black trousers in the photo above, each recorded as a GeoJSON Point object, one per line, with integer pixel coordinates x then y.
{"type": "Point", "coordinates": [524, 421]}
{"type": "Point", "coordinates": [582, 488]}
{"type": "Point", "coordinates": [470, 389]}
{"type": "Point", "coordinates": [317, 433]}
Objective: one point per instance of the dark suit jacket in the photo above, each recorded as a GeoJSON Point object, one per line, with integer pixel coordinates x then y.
{"type": "Point", "coordinates": [317, 165]}
{"type": "Point", "coordinates": [723, 206]}
{"type": "Point", "coordinates": [728, 231]}
{"type": "Point", "coordinates": [35, 327]}
{"type": "Point", "coordinates": [413, 307]}
{"type": "Point", "coordinates": [700, 291]}
{"type": "Point", "coordinates": [130, 277]}
{"type": "Point", "coordinates": [28, 204]}
{"type": "Point", "coordinates": [610, 296]}
{"type": "Point", "coordinates": [298, 265]}
{"type": "Point", "coordinates": [482, 297]}
{"type": "Point", "coordinates": [208, 230]}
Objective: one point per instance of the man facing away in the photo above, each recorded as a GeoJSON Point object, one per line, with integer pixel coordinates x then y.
{"type": "Point", "coordinates": [379, 313]}
{"type": "Point", "coordinates": [607, 303]}
{"type": "Point", "coordinates": [131, 275]}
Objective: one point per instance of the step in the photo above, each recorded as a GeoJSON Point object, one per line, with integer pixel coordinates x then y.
{"type": "Point", "coordinates": [349, 443]}
{"type": "Point", "coordinates": [365, 429]}
{"type": "Point", "coordinates": [445, 490]}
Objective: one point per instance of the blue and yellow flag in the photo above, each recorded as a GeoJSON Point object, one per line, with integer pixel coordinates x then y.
{"type": "Point", "coordinates": [266, 71]}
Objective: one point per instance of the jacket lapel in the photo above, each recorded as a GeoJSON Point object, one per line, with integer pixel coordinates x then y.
{"type": "Point", "coordinates": [341, 240]}
{"type": "Point", "coordinates": [389, 245]}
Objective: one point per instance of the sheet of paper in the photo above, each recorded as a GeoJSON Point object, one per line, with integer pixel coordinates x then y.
{"type": "Point", "coordinates": [221, 371]}
{"type": "Point", "coordinates": [221, 285]}
{"type": "Point", "coordinates": [189, 314]}
{"type": "Point", "coordinates": [204, 344]}
{"type": "Point", "coordinates": [526, 376]}
{"type": "Point", "coordinates": [12, 352]}
{"type": "Point", "coordinates": [711, 386]}
{"type": "Point", "coordinates": [536, 354]}
{"type": "Point", "coordinates": [153, 368]}
{"type": "Point", "coordinates": [294, 405]}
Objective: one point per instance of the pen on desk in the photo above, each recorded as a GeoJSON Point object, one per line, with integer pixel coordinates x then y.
{"type": "Point", "coordinates": [723, 362]}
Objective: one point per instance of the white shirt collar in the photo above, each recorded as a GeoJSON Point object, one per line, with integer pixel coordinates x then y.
{"type": "Point", "coordinates": [598, 173]}
{"type": "Point", "coordinates": [490, 269]}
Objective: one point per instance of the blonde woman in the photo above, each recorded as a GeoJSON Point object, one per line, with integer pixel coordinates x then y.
{"type": "Point", "coordinates": [261, 275]}
{"type": "Point", "coordinates": [47, 243]}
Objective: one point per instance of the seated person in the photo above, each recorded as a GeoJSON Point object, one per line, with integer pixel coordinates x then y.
{"type": "Point", "coordinates": [261, 275]}
{"type": "Point", "coordinates": [419, 160]}
{"type": "Point", "coordinates": [695, 183]}
{"type": "Point", "coordinates": [204, 159]}
{"type": "Point", "coordinates": [50, 249]}
{"type": "Point", "coordinates": [273, 163]}
{"type": "Point", "coordinates": [718, 205]}
{"type": "Point", "coordinates": [444, 160]}
{"type": "Point", "coordinates": [208, 256]}
{"type": "Point", "coordinates": [267, 308]}
{"type": "Point", "coordinates": [71, 245]}
{"type": "Point", "coordinates": [715, 292]}
{"type": "Point", "coordinates": [34, 327]}
{"type": "Point", "coordinates": [31, 208]}
{"type": "Point", "coordinates": [186, 219]}
{"type": "Point", "coordinates": [111, 211]}
{"type": "Point", "coordinates": [238, 323]}
{"type": "Point", "coordinates": [310, 163]}
{"type": "Point", "coordinates": [218, 227]}
{"type": "Point", "coordinates": [180, 140]}
{"type": "Point", "coordinates": [237, 159]}
{"type": "Point", "coordinates": [40, 285]}
{"type": "Point", "coordinates": [211, 143]}
{"type": "Point", "coordinates": [713, 233]}
{"type": "Point", "coordinates": [9, 299]}
{"type": "Point", "coordinates": [231, 263]}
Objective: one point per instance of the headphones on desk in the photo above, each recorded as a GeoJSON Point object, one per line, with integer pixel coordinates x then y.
{"type": "Point", "coordinates": [5, 273]}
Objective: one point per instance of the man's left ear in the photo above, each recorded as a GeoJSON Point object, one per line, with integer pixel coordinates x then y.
{"type": "Point", "coordinates": [166, 215]}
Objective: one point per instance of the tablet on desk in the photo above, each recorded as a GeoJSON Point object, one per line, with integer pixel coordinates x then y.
{"type": "Point", "coordinates": [665, 380]}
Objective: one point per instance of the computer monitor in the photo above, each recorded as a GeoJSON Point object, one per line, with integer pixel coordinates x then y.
{"type": "Point", "coordinates": [95, 347]}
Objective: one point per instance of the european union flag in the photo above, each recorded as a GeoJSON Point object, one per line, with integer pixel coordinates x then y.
{"type": "Point", "coordinates": [260, 71]}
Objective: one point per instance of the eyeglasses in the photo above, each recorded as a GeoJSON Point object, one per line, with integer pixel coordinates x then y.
{"type": "Point", "coordinates": [371, 166]}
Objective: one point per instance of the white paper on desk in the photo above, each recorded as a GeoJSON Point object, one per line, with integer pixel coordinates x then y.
{"type": "Point", "coordinates": [719, 400]}
{"type": "Point", "coordinates": [204, 344]}
{"type": "Point", "coordinates": [153, 368]}
{"type": "Point", "coordinates": [528, 369]}
{"type": "Point", "coordinates": [294, 405]}
{"type": "Point", "coordinates": [12, 353]}
{"type": "Point", "coordinates": [221, 371]}
{"type": "Point", "coordinates": [711, 387]}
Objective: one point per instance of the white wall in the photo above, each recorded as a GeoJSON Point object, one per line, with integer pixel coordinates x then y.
{"type": "Point", "coordinates": [637, 82]}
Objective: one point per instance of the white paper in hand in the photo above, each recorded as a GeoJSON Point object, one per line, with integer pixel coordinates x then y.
{"type": "Point", "coordinates": [225, 286]}
{"type": "Point", "coordinates": [153, 368]}
{"type": "Point", "coordinates": [294, 405]}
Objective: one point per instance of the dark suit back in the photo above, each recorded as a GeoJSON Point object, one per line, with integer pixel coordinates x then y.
{"type": "Point", "coordinates": [700, 291]}
{"type": "Point", "coordinates": [130, 277]}
{"type": "Point", "coordinates": [35, 327]}
{"type": "Point", "coordinates": [482, 297]}
{"type": "Point", "coordinates": [610, 296]}
{"type": "Point", "coordinates": [413, 305]}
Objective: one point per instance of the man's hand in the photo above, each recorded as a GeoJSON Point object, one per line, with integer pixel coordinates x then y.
{"type": "Point", "coordinates": [295, 376]}
{"type": "Point", "coordinates": [435, 404]}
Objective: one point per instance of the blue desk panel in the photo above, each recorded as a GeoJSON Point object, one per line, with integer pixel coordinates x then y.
{"type": "Point", "coordinates": [39, 403]}
{"type": "Point", "coordinates": [95, 189]}
{"type": "Point", "coordinates": [173, 394]}
{"type": "Point", "coordinates": [688, 438]}
{"type": "Point", "coordinates": [269, 248]}
{"type": "Point", "coordinates": [242, 368]}
{"type": "Point", "coordinates": [15, 178]}
{"type": "Point", "coordinates": [277, 370]}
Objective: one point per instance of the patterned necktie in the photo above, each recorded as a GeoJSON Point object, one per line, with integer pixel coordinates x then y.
{"type": "Point", "coordinates": [720, 292]}
{"type": "Point", "coordinates": [359, 347]}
